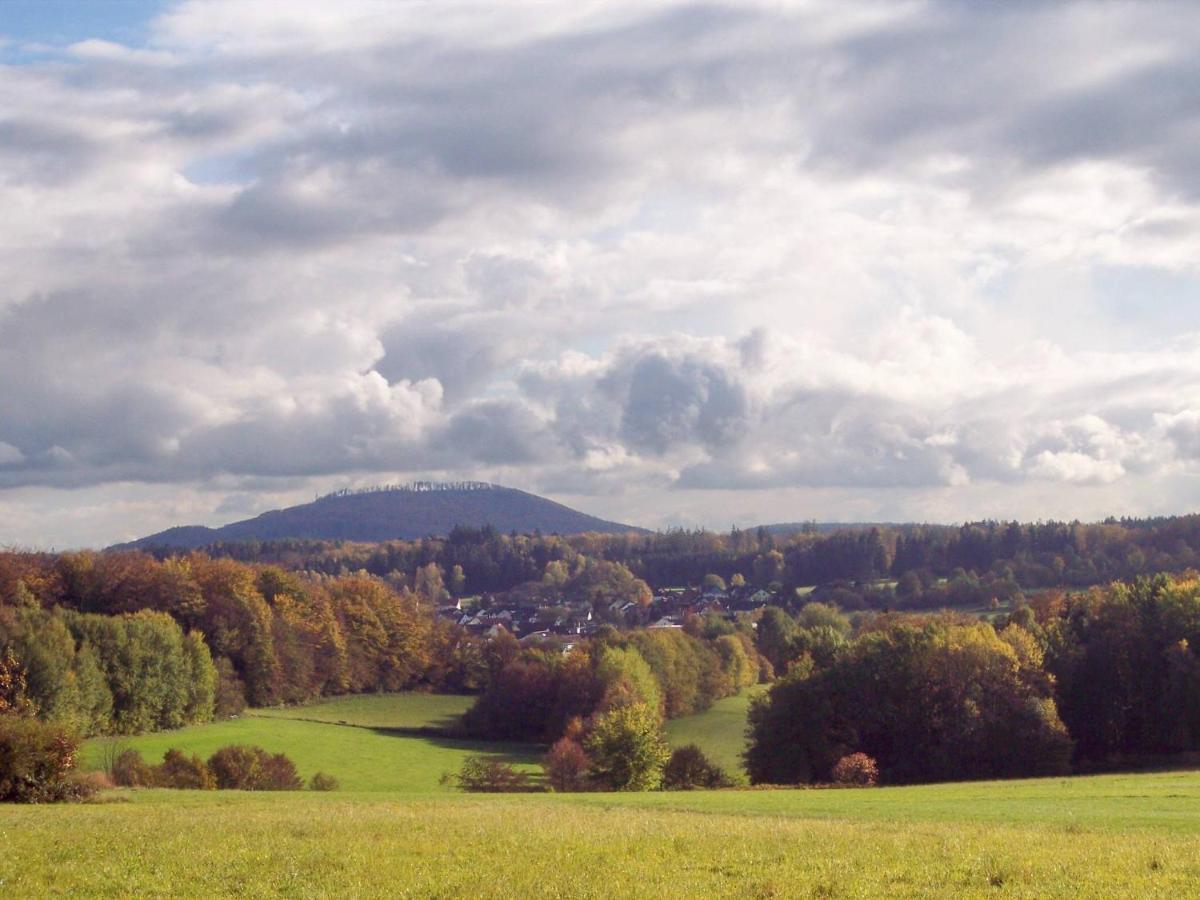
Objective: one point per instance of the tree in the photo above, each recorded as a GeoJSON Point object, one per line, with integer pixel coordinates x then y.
{"type": "Point", "coordinates": [626, 679]}
{"type": "Point", "coordinates": [774, 637]}
{"type": "Point", "coordinates": [627, 748]}
{"type": "Point", "coordinates": [713, 582]}
{"type": "Point", "coordinates": [430, 584]}
{"type": "Point", "coordinates": [689, 769]}
{"type": "Point", "coordinates": [930, 702]}
{"type": "Point", "coordinates": [605, 584]}
{"type": "Point", "coordinates": [458, 580]}
{"type": "Point", "coordinates": [13, 697]}
{"type": "Point", "coordinates": [767, 568]}
{"type": "Point", "coordinates": [566, 765]}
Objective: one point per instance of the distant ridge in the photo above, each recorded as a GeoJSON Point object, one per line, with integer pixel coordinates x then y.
{"type": "Point", "coordinates": [786, 528]}
{"type": "Point", "coordinates": [395, 512]}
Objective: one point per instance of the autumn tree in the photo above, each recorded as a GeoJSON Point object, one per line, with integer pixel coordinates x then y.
{"type": "Point", "coordinates": [932, 702]}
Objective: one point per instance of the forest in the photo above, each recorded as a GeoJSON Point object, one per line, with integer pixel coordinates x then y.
{"type": "Point", "coordinates": [1105, 678]}
{"type": "Point", "coordinates": [1060, 678]}
{"type": "Point", "coordinates": [860, 563]}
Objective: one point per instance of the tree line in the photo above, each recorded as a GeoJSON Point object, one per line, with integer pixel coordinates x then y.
{"type": "Point", "coordinates": [1032, 555]}
{"type": "Point", "coordinates": [123, 643]}
{"type": "Point", "coordinates": [100, 674]}
{"type": "Point", "coordinates": [1099, 679]}
{"type": "Point", "coordinates": [535, 694]}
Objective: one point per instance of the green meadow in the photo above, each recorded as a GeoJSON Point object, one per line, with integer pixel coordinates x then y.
{"type": "Point", "coordinates": [392, 830]}
{"type": "Point", "coordinates": [720, 731]}
{"type": "Point", "coordinates": [380, 742]}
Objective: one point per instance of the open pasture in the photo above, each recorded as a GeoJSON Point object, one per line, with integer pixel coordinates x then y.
{"type": "Point", "coordinates": [379, 742]}
{"type": "Point", "coordinates": [393, 830]}
{"type": "Point", "coordinates": [1127, 836]}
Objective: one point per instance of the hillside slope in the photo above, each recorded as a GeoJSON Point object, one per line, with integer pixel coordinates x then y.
{"type": "Point", "coordinates": [404, 513]}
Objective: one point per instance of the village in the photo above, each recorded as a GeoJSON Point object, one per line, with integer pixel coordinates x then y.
{"type": "Point", "coordinates": [563, 620]}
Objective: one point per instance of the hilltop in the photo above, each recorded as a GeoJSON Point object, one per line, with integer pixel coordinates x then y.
{"type": "Point", "coordinates": [407, 512]}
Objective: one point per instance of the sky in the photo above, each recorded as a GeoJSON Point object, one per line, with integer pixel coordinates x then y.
{"type": "Point", "coordinates": [674, 264]}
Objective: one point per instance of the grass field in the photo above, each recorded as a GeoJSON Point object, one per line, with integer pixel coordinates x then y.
{"type": "Point", "coordinates": [1130, 836]}
{"type": "Point", "coordinates": [393, 711]}
{"type": "Point", "coordinates": [720, 731]}
{"type": "Point", "coordinates": [385, 742]}
{"type": "Point", "coordinates": [393, 831]}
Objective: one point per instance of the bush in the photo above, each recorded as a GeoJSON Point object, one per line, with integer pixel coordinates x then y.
{"type": "Point", "coordinates": [128, 769]}
{"type": "Point", "coordinates": [36, 762]}
{"type": "Point", "coordinates": [688, 769]}
{"type": "Point", "coordinates": [279, 774]}
{"type": "Point", "coordinates": [566, 766]}
{"type": "Point", "coordinates": [243, 768]}
{"type": "Point", "coordinates": [322, 782]}
{"type": "Point", "coordinates": [489, 776]}
{"type": "Point", "coordinates": [184, 772]}
{"type": "Point", "coordinates": [857, 769]}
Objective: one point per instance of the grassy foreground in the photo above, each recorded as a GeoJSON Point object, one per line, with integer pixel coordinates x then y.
{"type": "Point", "coordinates": [393, 831]}
{"type": "Point", "coordinates": [929, 842]}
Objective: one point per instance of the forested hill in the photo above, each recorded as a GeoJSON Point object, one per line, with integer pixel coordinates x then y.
{"type": "Point", "coordinates": [402, 513]}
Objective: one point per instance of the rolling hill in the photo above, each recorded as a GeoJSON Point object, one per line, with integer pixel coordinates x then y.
{"type": "Point", "coordinates": [400, 513]}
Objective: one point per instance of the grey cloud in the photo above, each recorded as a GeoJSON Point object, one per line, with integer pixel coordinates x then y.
{"type": "Point", "coordinates": [45, 152]}
{"type": "Point", "coordinates": [494, 433]}
{"type": "Point", "coordinates": [670, 401]}
{"type": "Point", "coordinates": [1183, 429]}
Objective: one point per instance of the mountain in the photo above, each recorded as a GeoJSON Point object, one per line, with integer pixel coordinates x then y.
{"type": "Point", "coordinates": [395, 513]}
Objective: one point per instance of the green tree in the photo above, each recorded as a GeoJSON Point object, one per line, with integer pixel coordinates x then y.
{"type": "Point", "coordinates": [458, 580]}
{"type": "Point", "coordinates": [431, 584]}
{"type": "Point", "coordinates": [627, 748]}
{"type": "Point", "coordinates": [930, 702]}
{"type": "Point", "coordinates": [774, 637]}
{"type": "Point", "coordinates": [689, 769]}
{"type": "Point", "coordinates": [627, 679]}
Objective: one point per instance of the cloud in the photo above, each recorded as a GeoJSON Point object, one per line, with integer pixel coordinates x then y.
{"type": "Point", "coordinates": [882, 253]}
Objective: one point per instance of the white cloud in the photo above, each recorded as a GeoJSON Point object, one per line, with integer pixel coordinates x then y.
{"type": "Point", "coordinates": [860, 255]}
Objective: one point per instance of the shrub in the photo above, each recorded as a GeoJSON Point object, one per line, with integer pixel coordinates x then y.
{"type": "Point", "coordinates": [489, 776]}
{"type": "Point", "coordinates": [184, 772]}
{"type": "Point", "coordinates": [857, 769]}
{"type": "Point", "coordinates": [243, 768]}
{"type": "Point", "coordinates": [36, 762]}
{"type": "Point", "coordinates": [236, 767]}
{"type": "Point", "coordinates": [688, 769]}
{"type": "Point", "coordinates": [128, 769]}
{"type": "Point", "coordinates": [322, 782]}
{"type": "Point", "coordinates": [91, 782]}
{"type": "Point", "coordinates": [566, 766]}
{"type": "Point", "coordinates": [627, 748]}
{"type": "Point", "coordinates": [279, 774]}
